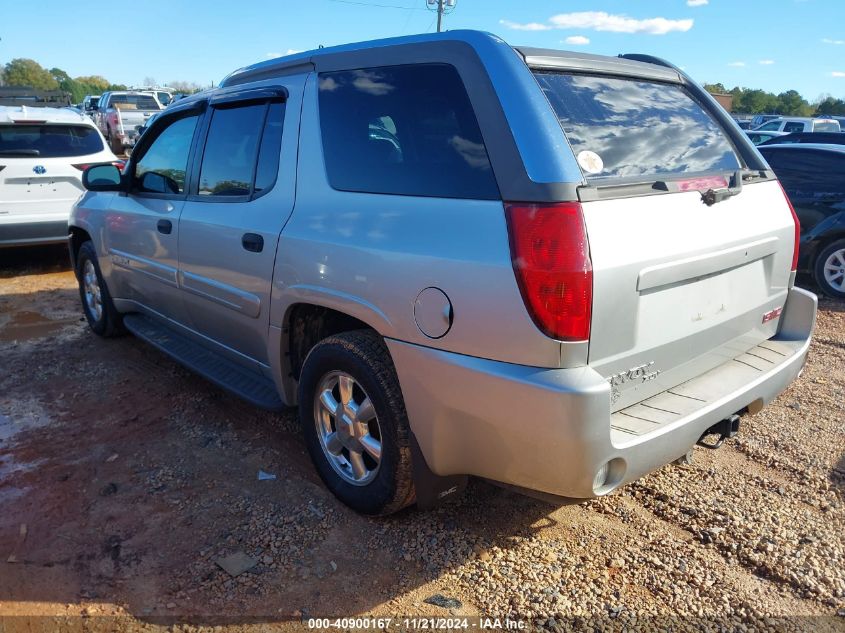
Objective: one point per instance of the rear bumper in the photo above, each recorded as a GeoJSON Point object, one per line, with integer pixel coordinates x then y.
{"type": "Point", "coordinates": [32, 233]}
{"type": "Point", "coordinates": [551, 430]}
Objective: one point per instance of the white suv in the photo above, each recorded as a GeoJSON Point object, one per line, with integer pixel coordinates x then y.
{"type": "Point", "coordinates": [799, 124]}
{"type": "Point", "coordinates": [43, 152]}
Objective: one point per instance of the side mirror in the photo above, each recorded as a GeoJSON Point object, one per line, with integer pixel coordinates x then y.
{"type": "Point", "coordinates": [105, 177]}
{"type": "Point", "coordinates": [154, 182]}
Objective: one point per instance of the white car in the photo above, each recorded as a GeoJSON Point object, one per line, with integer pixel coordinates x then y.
{"type": "Point", "coordinates": [43, 152]}
{"type": "Point", "coordinates": [799, 124]}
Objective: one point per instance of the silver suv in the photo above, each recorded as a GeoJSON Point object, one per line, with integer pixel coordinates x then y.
{"type": "Point", "coordinates": [551, 270]}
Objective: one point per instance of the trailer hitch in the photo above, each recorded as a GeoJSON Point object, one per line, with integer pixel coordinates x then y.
{"type": "Point", "coordinates": [725, 429]}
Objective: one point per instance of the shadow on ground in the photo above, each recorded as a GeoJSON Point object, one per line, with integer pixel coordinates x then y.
{"type": "Point", "coordinates": [33, 260]}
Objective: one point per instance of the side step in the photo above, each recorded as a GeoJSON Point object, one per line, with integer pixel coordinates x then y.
{"type": "Point", "coordinates": [252, 387]}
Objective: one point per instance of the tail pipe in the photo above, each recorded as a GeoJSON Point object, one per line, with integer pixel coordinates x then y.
{"type": "Point", "coordinates": [725, 429]}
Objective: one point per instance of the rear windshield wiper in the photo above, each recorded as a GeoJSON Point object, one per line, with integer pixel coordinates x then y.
{"type": "Point", "coordinates": [712, 196]}
{"type": "Point", "coordinates": [19, 152]}
{"type": "Point", "coordinates": [712, 191]}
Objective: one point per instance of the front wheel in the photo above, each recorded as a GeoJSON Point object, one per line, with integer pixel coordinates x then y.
{"type": "Point", "coordinates": [829, 269]}
{"type": "Point", "coordinates": [354, 422]}
{"type": "Point", "coordinates": [103, 318]}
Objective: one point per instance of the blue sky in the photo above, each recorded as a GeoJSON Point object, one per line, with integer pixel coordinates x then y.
{"type": "Point", "coordinates": [775, 45]}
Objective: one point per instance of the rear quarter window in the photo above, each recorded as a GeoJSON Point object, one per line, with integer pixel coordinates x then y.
{"type": "Point", "coordinates": [407, 130]}
{"type": "Point", "coordinates": [626, 128]}
{"type": "Point", "coordinates": [49, 140]}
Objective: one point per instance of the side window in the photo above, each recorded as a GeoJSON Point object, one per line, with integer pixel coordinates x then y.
{"type": "Point", "coordinates": [793, 126]}
{"type": "Point", "coordinates": [407, 130]}
{"type": "Point", "coordinates": [241, 153]}
{"type": "Point", "coordinates": [772, 126]}
{"type": "Point", "coordinates": [162, 167]}
{"type": "Point", "coordinates": [271, 145]}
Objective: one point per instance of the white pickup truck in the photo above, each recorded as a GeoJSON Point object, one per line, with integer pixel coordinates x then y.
{"type": "Point", "coordinates": [120, 114]}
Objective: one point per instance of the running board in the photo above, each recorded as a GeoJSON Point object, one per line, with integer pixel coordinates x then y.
{"type": "Point", "coordinates": [252, 387]}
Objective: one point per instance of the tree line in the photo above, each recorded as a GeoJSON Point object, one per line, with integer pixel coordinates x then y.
{"type": "Point", "coordinates": [30, 74]}
{"type": "Point", "coordinates": [789, 103]}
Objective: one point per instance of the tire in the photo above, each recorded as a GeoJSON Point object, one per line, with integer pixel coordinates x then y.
{"type": "Point", "coordinates": [368, 485]}
{"type": "Point", "coordinates": [829, 269]}
{"type": "Point", "coordinates": [103, 318]}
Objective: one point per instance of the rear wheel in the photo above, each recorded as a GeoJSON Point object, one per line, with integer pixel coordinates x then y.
{"type": "Point", "coordinates": [103, 318]}
{"type": "Point", "coordinates": [354, 421]}
{"type": "Point", "coordinates": [829, 269]}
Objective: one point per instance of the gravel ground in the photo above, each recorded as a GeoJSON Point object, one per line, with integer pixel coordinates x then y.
{"type": "Point", "coordinates": [134, 477]}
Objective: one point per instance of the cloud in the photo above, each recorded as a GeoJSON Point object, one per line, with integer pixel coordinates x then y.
{"type": "Point", "coordinates": [697, 3]}
{"type": "Point", "coordinates": [737, 64]}
{"type": "Point", "coordinates": [602, 21]}
{"type": "Point", "coordinates": [837, 73]}
{"type": "Point", "coordinates": [827, 40]}
{"type": "Point", "coordinates": [766, 62]}
{"type": "Point", "coordinates": [577, 40]}
{"type": "Point", "coordinates": [530, 26]}
{"type": "Point", "coordinates": [290, 51]}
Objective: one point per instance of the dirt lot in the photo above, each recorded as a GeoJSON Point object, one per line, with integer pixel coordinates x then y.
{"type": "Point", "coordinates": [132, 477]}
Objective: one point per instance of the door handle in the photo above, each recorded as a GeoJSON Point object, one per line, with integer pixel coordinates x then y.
{"type": "Point", "coordinates": [253, 242]}
{"type": "Point", "coordinates": [164, 226]}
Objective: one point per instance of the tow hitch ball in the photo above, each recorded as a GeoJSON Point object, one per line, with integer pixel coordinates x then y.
{"type": "Point", "coordinates": [725, 429]}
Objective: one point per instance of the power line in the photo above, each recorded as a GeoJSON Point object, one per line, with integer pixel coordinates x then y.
{"type": "Point", "coordinates": [380, 6]}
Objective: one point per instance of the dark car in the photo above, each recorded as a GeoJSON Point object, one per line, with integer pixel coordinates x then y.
{"type": "Point", "coordinates": [813, 176]}
{"type": "Point", "coordinates": [835, 138]}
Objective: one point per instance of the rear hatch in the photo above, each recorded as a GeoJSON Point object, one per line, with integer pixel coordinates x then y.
{"type": "Point", "coordinates": [38, 179]}
{"type": "Point", "coordinates": [134, 110]}
{"type": "Point", "coordinates": [679, 285]}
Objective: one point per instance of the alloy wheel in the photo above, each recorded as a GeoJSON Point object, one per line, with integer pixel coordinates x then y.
{"type": "Point", "coordinates": [348, 428]}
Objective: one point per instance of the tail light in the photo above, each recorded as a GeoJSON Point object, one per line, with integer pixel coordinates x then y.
{"type": "Point", "coordinates": [797, 230]}
{"type": "Point", "coordinates": [551, 261]}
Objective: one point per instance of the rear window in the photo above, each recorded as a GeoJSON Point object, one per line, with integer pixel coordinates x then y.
{"type": "Point", "coordinates": [625, 128]}
{"type": "Point", "coordinates": [134, 102]}
{"type": "Point", "coordinates": [826, 126]}
{"type": "Point", "coordinates": [49, 141]}
{"type": "Point", "coordinates": [407, 130]}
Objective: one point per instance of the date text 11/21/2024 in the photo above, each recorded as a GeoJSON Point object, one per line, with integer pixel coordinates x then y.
{"type": "Point", "coordinates": [418, 623]}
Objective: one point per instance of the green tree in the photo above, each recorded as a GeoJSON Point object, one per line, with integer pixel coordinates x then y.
{"type": "Point", "coordinates": [792, 103]}
{"type": "Point", "coordinates": [756, 102]}
{"type": "Point", "coordinates": [829, 105]}
{"type": "Point", "coordinates": [716, 88]}
{"type": "Point", "coordinates": [69, 84]}
{"type": "Point", "coordinates": [29, 73]}
{"type": "Point", "coordinates": [94, 84]}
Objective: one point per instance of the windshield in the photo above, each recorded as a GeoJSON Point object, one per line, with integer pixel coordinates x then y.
{"type": "Point", "coordinates": [49, 141]}
{"type": "Point", "coordinates": [625, 128]}
{"type": "Point", "coordinates": [135, 102]}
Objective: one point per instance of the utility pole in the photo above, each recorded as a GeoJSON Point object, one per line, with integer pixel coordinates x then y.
{"type": "Point", "coordinates": [441, 6]}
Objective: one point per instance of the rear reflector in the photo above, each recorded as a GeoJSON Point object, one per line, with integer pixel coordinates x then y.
{"type": "Point", "coordinates": [797, 230]}
{"type": "Point", "coordinates": [120, 164]}
{"type": "Point", "coordinates": [703, 184]}
{"type": "Point", "coordinates": [551, 261]}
